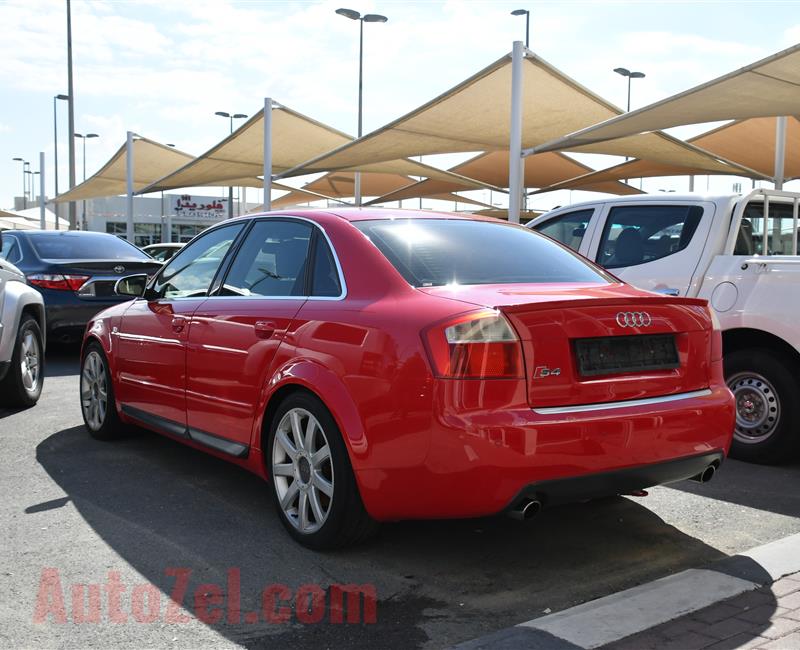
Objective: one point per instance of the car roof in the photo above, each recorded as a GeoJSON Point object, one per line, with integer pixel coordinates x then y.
{"type": "Point", "coordinates": [369, 214]}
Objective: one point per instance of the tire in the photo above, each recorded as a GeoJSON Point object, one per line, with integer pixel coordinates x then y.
{"type": "Point", "coordinates": [767, 393]}
{"type": "Point", "coordinates": [98, 405]}
{"type": "Point", "coordinates": [299, 480]}
{"type": "Point", "coordinates": [22, 385]}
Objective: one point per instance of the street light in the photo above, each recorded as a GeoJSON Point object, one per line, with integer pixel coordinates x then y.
{"type": "Point", "coordinates": [85, 138]}
{"type": "Point", "coordinates": [527, 14]}
{"type": "Point", "coordinates": [55, 146]}
{"type": "Point", "coordinates": [631, 75]}
{"type": "Point", "coordinates": [24, 181]}
{"type": "Point", "coordinates": [368, 18]}
{"type": "Point", "coordinates": [232, 117]}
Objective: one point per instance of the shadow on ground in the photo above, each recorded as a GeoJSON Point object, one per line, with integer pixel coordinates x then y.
{"type": "Point", "coordinates": [159, 504]}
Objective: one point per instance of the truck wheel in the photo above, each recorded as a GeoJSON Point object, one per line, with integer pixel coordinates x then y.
{"type": "Point", "coordinates": [22, 385]}
{"type": "Point", "coordinates": [767, 414]}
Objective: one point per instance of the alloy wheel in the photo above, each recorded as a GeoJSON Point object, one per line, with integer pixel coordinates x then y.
{"type": "Point", "coordinates": [302, 470]}
{"type": "Point", "coordinates": [94, 390]}
{"type": "Point", "coordinates": [30, 362]}
{"type": "Point", "coordinates": [758, 408]}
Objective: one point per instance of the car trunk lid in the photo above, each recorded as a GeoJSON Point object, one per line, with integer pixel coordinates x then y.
{"type": "Point", "coordinates": [101, 275]}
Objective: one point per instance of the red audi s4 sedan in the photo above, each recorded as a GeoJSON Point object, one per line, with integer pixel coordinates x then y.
{"type": "Point", "coordinates": [378, 365]}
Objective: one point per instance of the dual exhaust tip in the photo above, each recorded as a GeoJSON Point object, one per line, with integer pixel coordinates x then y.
{"type": "Point", "coordinates": [529, 508]}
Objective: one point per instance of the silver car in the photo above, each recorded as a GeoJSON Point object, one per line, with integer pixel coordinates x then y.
{"type": "Point", "coordinates": [21, 335]}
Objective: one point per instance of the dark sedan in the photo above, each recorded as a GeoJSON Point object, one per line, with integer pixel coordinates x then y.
{"type": "Point", "coordinates": [76, 272]}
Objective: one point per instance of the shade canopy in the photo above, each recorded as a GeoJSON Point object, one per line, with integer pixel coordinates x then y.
{"type": "Point", "coordinates": [151, 161]}
{"type": "Point", "coordinates": [342, 184]}
{"type": "Point", "coordinates": [768, 88]}
{"type": "Point", "coordinates": [492, 167]}
{"type": "Point", "coordinates": [475, 116]}
{"type": "Point", "coordinates": [30, 219]}
{"type": "Point", "coordinates": [239, 158]}
{"type": "Point", "coordinates": [749, 142]}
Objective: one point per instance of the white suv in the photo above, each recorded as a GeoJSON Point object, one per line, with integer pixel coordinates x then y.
{"type": "Point", "coordinates": [712, 247]}
{"type": "Point", "coordinates": [21, 336]}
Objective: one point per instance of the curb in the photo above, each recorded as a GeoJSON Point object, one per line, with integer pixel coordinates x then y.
{"type": "Point", "coordinates": [614, 617]}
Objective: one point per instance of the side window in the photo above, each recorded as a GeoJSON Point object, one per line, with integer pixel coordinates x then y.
{"type": "Point", "coordinates": [780, 230]}
{"type": "Point", "coordinates": [325, 279]}
{"type": "Point", "coordinates": [271, 262]}
{"type": "Point", "coordinates": [11, 251]}
{"type": "Point", "coordinates": [567, 228]}
{"type": "Point", "coordinates": [191, 271]}
{"type": "Point", "coordinates": [643, 233]}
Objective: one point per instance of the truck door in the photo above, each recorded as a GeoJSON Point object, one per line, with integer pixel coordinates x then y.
{"type": "Point", "coordinates": [653, 245]}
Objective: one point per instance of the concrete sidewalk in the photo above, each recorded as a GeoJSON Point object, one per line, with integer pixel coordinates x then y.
{"type": "Point", "coordinates": [750, 600]}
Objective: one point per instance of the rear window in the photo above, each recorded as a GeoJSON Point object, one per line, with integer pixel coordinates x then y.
{"type": "Point", "coordinates": [85, 246]}
{"type": "Point", "coordinates": [434, 252]}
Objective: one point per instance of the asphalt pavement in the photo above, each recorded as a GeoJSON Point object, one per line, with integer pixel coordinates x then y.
{"type": "Point", "coordinates": [148, 514]}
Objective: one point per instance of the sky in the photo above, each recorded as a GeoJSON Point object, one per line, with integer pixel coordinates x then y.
{"type": "Point", "coordinates": [163, 68]}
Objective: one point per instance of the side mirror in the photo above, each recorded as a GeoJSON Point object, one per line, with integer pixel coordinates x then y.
{"type": "Point", "coordinates": [131, 285]}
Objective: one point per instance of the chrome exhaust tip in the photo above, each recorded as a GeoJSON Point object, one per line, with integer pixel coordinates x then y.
{"type": "Point", "coordinates": [706, 475]}
{"type": "Point", "coordinates": [526, 510]}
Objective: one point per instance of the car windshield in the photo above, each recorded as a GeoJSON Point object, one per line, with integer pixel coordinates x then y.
{"type": "Point", "coordinates": [85, 246]}
{"type": "Point", "coordinates": [434, 252]}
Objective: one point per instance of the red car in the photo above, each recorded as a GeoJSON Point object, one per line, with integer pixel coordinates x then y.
{"type": "Point", "coordinates": [379, 365]}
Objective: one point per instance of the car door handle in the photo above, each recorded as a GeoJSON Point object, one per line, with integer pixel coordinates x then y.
{"type": "Point", "coordinates": [668, 291]}
{"type": "Point", "coordinates": [178, 323]}
{"type": "Point", "coordinates": [264, 328]}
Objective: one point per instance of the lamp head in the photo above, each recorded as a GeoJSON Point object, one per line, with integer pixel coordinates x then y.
{"type": "Point", "coordinates": [623, 71]}
{"type": "Point", "coordinates": [239, 116]}
{"type": "Point", "coordinates": [92, 135]}
{"type": "Point", "coordinates": [374, 18]}
{"type": "Point", "coordinates": [519, 12]}
{"type": "Point", "coordinates": [637, 75]}
{"type": "Point", "coordinates": [349, 13]}
{"type": "Point", "coordinates": [222, 114]}
{"type": "Point", "coordinates": [62, 97]}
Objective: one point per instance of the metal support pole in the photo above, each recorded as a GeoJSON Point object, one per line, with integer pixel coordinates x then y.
{"type": "Point", "coordinates": [55, 155]}
{"type": "Point", "coordinates": [71, 118]}
{"type": "Point", "coordinates": [691, 183]}
{"type": "Point", "coordinates": [515, 137]}
{"type": "Point", "coordinates": [780, 151]}
{"type": "Point", "coordinates": [527, 30]}
{"type": "Point", "coordinates": [129, 183]}
{"type": "Point", "coordinates": [42, 221]}
{"type": "Point", "coordinates": [267, 154]}
{"type": "Point", "coordinates": [357, 189]}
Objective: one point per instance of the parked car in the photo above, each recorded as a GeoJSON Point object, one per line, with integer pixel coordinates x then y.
{"type": "Point", "coordinates": [22, 326]}
{"type": "Point", "coordinates": [712, 247]}
{"type": "Point", "coordinates": [162, 252]}
{"type": "Point", "coordinates": [378, 365]}
{"type": "Point", "coordinates": [75, 271]}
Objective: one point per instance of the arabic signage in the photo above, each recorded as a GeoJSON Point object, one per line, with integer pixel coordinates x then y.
{"type": "Point", "coordinates": [199, 207]}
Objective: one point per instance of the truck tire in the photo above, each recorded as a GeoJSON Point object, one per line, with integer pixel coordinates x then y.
{"type": "Point", "coordinates": [22, 385]}
{"type": "Point", "coordinates": [767, 397]}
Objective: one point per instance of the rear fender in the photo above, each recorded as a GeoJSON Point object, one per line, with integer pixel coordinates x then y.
{"type": "Point", "coordinates": [16, 298]}
{"type": "Point", "coordinates": [319, 380]}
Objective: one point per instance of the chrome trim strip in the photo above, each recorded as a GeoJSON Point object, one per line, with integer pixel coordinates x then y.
{"type": "Point", "coordinates": [605, 406]}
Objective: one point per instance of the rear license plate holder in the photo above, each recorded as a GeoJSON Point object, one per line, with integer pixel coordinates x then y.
{"type": "Point", "coordinates": [613, 355]}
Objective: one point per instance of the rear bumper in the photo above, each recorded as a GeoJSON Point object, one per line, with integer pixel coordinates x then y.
{"type": "Point", "coordinates": [484, 454]}
{"type": "Point", "coordinates": [67, 314]}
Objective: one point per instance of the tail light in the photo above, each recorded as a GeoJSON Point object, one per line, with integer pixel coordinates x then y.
{"type": "Point", "coordinates": [58, 281]}
{"type": "Point", "coordinates": [478, 345]}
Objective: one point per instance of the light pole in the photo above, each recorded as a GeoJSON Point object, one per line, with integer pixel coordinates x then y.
{"type": "Point", "coordinates": [55, 147]}
{"type": "Point", "coordinates": [368, 18]}
{"type": "Point", "coordinates": [166, 222]}
{"type": "Point", "coordinates": [631, 75]}
{"type": "Point", "coordinates": [85, 138]}
{"type": "Point", "coordinates": [24, 181]}
{"type": "Point", "coordinates": [234, 116]}
{"type": "Point", "coordinates": [70, 116]}
{"type": "Point", "coordinates": [527, 14]}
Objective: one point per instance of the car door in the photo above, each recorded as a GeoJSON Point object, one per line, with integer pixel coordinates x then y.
{"type": "Point", "coordinates": [572, 228]}
{"type": "Point", "coordinates": [235, 333]}
{"type": "Point", "coordinates": [653, 245]}
{"type": "Point", "coordinates": [151, 338]}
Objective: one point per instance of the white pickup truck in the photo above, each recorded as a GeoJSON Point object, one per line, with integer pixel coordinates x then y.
{"type": "Point", "coordinates": [713, 247]}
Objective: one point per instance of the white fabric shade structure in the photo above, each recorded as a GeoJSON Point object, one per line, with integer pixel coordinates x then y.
{"type": "Point", "coordinates": [239, 158]}
{"type": "Point", "coordinates": [768, 88]}
{"type": "Point", "coordinates": [750, 142]}
{"type": "Point", "coordinates": [152, 160]}
{"type": "Point", "coordinates": [492, 167]}
{"type": "Point", "coordinates": [476, 116]}
{"type": "Point", "coordinates": [30, 219]}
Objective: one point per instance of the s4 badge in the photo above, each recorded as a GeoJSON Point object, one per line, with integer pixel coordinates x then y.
{"type": "Point", "coordinates": [544, 371]}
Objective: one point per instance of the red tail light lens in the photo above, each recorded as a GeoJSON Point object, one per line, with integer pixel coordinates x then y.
{"type": "Point", "coordinates": [58, 281]}
{"type": "Point", "coordinates": [478, 345]}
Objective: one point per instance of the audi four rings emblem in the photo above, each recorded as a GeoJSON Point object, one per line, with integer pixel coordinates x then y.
{"type": "Point", "coordinates": [634, 319]}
